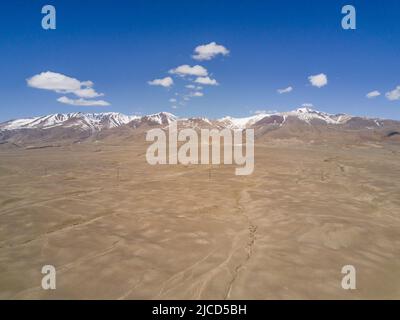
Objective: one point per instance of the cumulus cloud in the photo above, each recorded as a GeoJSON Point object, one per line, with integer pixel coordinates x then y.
{"type": "Point", "coordinates": [192, 94]}
{"type": "Point", "coordinates": [373, 94]}
{"type": "Point", "coordinates": [82, 102]}
{"type": "Point", "coordinates": [165, 82]}
{"type": "Point", "coordinates": [87, 93]}
{"type": "Point", "coordinates": [54, 81]}
{"type": "Point", "coordinates": [209, 51]}
{"type": "Point", "coordinates": [186, 70]}
{"type": "Point", "coordinates": [197, 94]}
{"type": "Point", "coordinates": [206, 81]}
{"type": "Point", "coordinates": [286, 90]}
{"type": "Point", "coordinates": [318, 80]}
{"type": "Point", "coordinates": [172, 100]}
{"type": "Point", "coordinates": [193, 87]}
{"type": "Point", "coordinates": [394, 94]}
{"type": "Point", "coordinates": [61, 83]}
{"type": "Point", "coordinates": [307, 105]}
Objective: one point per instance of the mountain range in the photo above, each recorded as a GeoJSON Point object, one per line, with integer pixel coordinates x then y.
{"type": "Point", "coordinates": [302, 123]}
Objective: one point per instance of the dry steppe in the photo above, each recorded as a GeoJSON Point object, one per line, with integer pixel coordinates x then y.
{"type": "Point", "coordinates": [117, 228]}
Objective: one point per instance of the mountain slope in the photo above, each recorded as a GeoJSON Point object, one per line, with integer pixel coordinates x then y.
{"type": "Point", "coordinates": [302, 123]}
{"type": "Point", "coordinates": [86, 121]}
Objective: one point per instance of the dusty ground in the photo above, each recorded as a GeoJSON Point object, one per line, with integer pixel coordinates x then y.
{"type": "Point", "coordinates": [116, 228]}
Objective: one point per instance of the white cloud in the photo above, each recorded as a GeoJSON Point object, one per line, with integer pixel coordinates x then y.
{"type": "Point", "coordinates": [318, 80]}
{"type": "Point", "coordinates": [373, 94]}
{"type": "Point", "coordinates": [209, 51]}
{"type": "Point", "coordinates": [186, 70]}
{"type": "Point", "coordinates": [286, 90]}
{"type": "Point", "coordinates": [174, 107]}
{"type": "Point", "coordinates": [307, 105]}
{"type": "Point", "coordinates": [172, 100]}
{"type": "Point", "coordinates": [192, 95]}
{"type": "Point", "coordinates": [394, 94]}
{"type": "Point", "coordinates": [165, 82]}
{"type": "Point", "coordinates": [61, 83]}
{"type": "Point", "coordinates": [87, 93]}
{"type": "Point", "coordinates": [82, 102]}
{"type": "Point", "coordinates": [206, 81]}
{"type": "Point", "coordinates": [54, 81]}
{"type": "Point", "coordinates": [197, 94]}
{"type": "Point", "coordinates": [193, 87]}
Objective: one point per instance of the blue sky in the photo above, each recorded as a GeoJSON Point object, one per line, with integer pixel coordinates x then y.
{"type": "Point", "coordinates": [121, 45]}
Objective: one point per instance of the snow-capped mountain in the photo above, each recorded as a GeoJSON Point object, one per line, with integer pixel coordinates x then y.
{"type": "Point", "coordinates": [242, 123]}
{"type": "Point", "coordinates": [302, 123]}
{"type": "Point", "coordinates": [95, 122]}
{"type": "Point", "coordinates": [85, 121]}
{"type": "Point", "coordinates": [307, 114]}
{"type": "Point", "coordinates": [303, 114]}
{"type": "Point", "coordinates": [161, 118]}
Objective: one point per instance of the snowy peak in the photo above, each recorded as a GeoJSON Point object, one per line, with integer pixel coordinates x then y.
{"type": "Point", "coordinates": [242, 123]}
{"type": "Point", "coordinates": [306, 110]}
{"type": "Point", "coordinates": [107, 120]}
{"type": "Point", "coordinates": [308, 114]}
{"type": "Point", "coordinates": [86, 121]}
{"type": "Point", "coordinates": [304, 114]}
{"type": "Point", "coordinates": [161, 118]}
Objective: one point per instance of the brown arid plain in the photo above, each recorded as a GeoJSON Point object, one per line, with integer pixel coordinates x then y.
{"type": "Point", "coordinates": [116, 227]}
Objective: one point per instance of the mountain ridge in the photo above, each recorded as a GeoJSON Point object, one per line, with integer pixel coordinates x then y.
{"type": "Point", "coordinates": [302, 124]}
{"type": "Point", "coordinates": [107, 120]}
